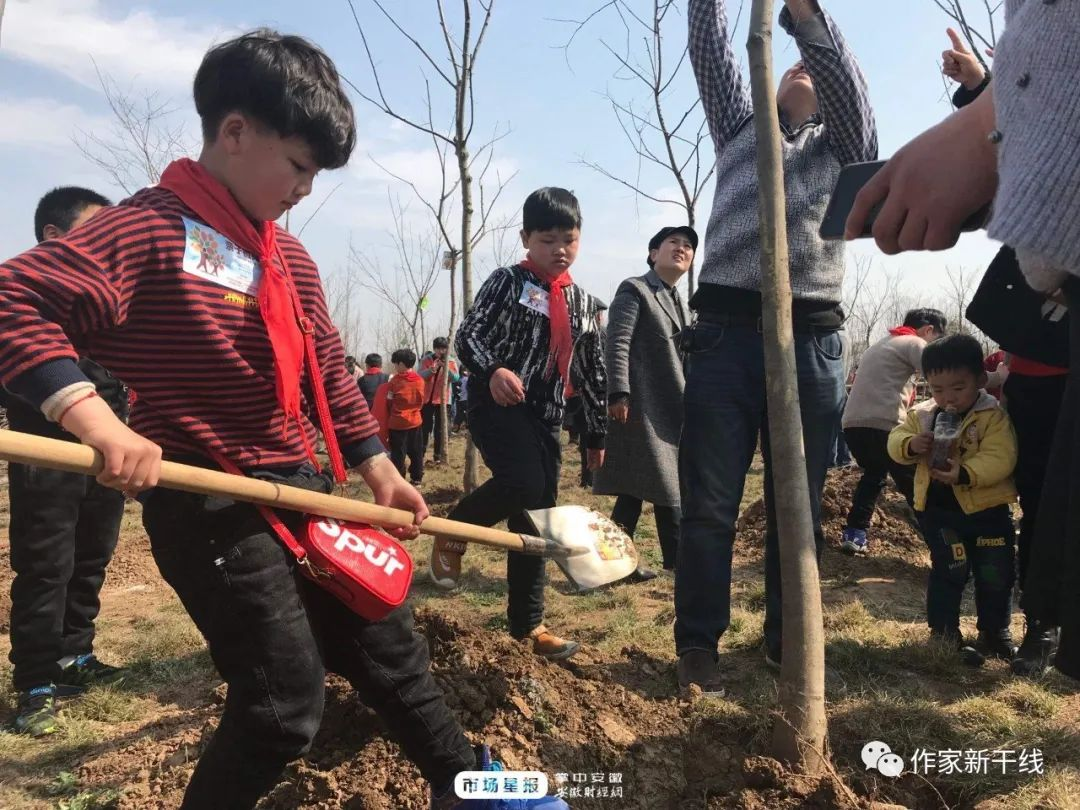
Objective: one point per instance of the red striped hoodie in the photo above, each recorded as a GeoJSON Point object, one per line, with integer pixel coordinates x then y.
{"type": "Point", "coordinates": [144, 289]}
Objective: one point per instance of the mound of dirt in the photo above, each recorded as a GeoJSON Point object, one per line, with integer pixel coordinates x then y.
{"type": "Point", "coordinates": [568, 721]}
{"type": "Point", "coordinates": [893, 527]}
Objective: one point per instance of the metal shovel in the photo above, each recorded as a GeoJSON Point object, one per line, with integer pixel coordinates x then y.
{"type": "Point", "coordinates": [589, 548]}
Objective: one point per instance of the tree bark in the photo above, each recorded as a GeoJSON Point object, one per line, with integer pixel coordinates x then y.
{"type": "Point", "coordinates": [471, 477]}
{"type": "Point", "coordinates": [799, 734]}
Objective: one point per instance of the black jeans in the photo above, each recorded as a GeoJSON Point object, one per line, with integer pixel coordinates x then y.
{"type": "Point", "coordinates": [408, 443]}
{"type": "Point", "coordinates": [870, 447]}
{"type": "Point", "coordinates": [1033, 404]}
{"type": "Point", "coordinates": [273, 635]}
{"type": "Point", "coordinates": [627, 512]}
{"type": "Point", "coordinates": [433, 424]}
{"type": "Point", "coordinates": [524, 457]}
{"type": "Point", "coordinates": [63, 532]}
{"type": "Point", "coordinates": [982, 545]}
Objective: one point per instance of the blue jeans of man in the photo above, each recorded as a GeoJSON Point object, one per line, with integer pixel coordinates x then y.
{"type": "Point", "coordinates": [725, 412]}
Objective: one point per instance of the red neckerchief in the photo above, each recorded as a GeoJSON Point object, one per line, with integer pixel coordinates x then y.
{"type": "Point", "coordinates": [216, 206]}
{"type": "Point", "coordinates": [374, 371]}
{"type": "Point", "coordinates": [896, 331]}
{"type": "Point", "coordinates": [560, 342]}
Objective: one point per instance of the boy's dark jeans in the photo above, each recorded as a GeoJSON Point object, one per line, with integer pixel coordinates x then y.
{"type": "Point", "coordinates": [63, 532]}
{"type": "Point", "coordinates": [433, 424]}
{"type": "Point", "coordinates": [524, 457]}
{"type": "Point", "coordinates": [961, 545]}
{"type": "Point", "coordinates": [724, 414]}
{"type": "Point", "coordinates": [870, 447]}
{"type": "Point", "coordinates": [627, 512]}
{"type": "Point", "coordinates": [273, 635]}
{"type": "Point", "coordinates": [408, 443]}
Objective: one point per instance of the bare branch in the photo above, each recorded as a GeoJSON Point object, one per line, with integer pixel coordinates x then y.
{"type": "Point", "coordinates": [314, 213]}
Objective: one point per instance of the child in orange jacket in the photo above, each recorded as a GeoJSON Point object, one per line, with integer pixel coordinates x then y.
{"type": "Point", "coordinates": [406, 398]}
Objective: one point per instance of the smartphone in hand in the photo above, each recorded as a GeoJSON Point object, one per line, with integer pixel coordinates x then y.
{"type": "Point", "coordinates": [852, 178]}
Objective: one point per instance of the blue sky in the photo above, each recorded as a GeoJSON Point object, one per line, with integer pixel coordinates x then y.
{"type": "Point", "coordinates": [551, 103]}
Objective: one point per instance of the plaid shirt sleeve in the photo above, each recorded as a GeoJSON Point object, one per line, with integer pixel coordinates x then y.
{"type": "Point", "coordinates": [719, 77]}
{"type": "Point", "coordinates": [840, 85]}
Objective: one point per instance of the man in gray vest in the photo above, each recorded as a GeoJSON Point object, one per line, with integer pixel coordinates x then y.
{"type": "Point", "coordinates": [645, 388]}
{"type": "Point", "coordinates": [826, 121]}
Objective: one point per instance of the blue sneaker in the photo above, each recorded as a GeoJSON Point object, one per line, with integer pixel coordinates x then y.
{"type": "Point", "coordinates": [854, 542]}
{"type": "Point", "coordinates": [486, 763]}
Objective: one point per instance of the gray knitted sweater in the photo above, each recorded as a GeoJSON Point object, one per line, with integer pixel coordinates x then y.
{"type": "Point", "coordinates": [1037, 106]}
{"type": "Point", "coordinates": [813, 153]}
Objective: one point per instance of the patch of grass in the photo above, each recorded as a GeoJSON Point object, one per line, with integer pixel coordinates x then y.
{"type": "Point", "coordinates": [109, 705]}
{"type": "Point", "coordinates": [91, 800]}
{"type": "Point", "coordinates": [745, 630]}
{"type": "Point", "coordinates": [1030, 698]}
{"type": "Point", "coordinates": [985, 721]}
{"type": "Point", "coordinates": [750, 595]}
{"type": "Point", "coordinates": [848, 617]}
{"type": "Point", "coordinates": [1058, 789]}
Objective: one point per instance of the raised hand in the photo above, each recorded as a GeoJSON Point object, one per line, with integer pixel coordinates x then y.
{"type": "Point", "coordinates": [960, 64]}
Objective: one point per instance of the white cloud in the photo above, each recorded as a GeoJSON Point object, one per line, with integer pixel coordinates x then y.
{"type": "Point", "coordinates": [43, 123]}
{"type": "Point", "coordinates": [69, 36]}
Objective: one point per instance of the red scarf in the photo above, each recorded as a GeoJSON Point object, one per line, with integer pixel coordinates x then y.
{"type": "Point", "coordinates": [213, 203]}
{"type": "Point", "coordinates": [560, 342]}
{"type": "Point", "coordinates": [896, 331]}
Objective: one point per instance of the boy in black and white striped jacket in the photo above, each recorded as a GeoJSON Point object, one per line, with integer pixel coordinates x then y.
{"type": "Point", "coordinates": [531, 340]}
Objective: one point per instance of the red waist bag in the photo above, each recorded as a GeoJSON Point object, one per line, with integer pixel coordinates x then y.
{"type": "Point", "coordinates": [362, 566]}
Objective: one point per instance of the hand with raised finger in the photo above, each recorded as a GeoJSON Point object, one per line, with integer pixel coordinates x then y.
{"type": "Point", "coordinates": [960, 64]}
{"type": "Point", "coordinates": [132, 463]}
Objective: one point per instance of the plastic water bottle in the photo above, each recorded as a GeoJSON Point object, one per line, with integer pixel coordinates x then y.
{"type": "Point", "coordinates": [946, 432]}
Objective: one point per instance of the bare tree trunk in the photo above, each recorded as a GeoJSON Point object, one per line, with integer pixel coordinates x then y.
{"type": "Point", "coordinates": [799, 735]}
{"type": "Point", "coordinates": [471, 478]}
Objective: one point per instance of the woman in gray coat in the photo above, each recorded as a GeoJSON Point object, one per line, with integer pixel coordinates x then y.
{"type": "Point", "coordinates": [645, 391]}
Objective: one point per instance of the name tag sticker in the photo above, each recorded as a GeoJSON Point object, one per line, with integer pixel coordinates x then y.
{"type": "Point", "coordinates": [209, 255]}
{"type": "Point", "coordinates": [534, 298]}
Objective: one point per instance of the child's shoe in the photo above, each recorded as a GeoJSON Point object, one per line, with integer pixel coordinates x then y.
{"type": "Point", "coordinates": [36, 713]}
{"type": "Point", "coordinates": [549, 646]}
{"type": "Point", "coordinates": [445, 565]}
{"type": "Point", "coordinates": [85, 671]}
{"type": "Point", "coordinates": [485, 763]}
{"type": "Point", "coordinates": [854, 541]}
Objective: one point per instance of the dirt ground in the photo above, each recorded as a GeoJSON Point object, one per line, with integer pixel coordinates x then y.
{"type": "Point", "coordinates": [612, 716]}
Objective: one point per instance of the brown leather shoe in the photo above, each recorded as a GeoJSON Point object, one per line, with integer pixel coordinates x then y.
{"type": "Point", "coordinates": [698, 667]}
{"type": "Point", "coordinates": [550, 646]}
{"type": "Point", "coordinates": [444, 568]}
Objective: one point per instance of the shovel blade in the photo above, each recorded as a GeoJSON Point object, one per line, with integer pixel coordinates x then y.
{"type": "Point", "coordinates": [591, 550]}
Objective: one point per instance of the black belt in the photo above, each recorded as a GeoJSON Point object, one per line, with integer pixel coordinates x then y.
{"type": "Point", "coordinates": [755, 322]}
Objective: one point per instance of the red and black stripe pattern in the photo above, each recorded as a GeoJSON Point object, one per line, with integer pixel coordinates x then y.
{"type": "Point", "coordinates": [196, 352]}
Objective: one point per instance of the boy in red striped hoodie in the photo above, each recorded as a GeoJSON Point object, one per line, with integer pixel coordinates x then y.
{"type": "Point", "coordinates": [172, 288]}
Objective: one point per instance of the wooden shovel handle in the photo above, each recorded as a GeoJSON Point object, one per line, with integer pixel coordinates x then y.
{"type": "Point", "coordinates": [25, 448]}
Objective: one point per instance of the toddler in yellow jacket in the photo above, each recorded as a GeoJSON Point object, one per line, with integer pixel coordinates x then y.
{"type": "Point", "coordinates": [963, 502]}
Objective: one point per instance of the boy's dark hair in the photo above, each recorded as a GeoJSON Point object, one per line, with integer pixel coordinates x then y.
{"type": "Point", "coordinates": [284, 82]}
{"type": "Point", "coordinates": [918, 318]}
{"type": "Point", "coordinates": [407, 357]}
{"type": "Point", "coordinates": [952, 353]}
{"type": "Point", "coordinates": [440, 343]}
{"type": "Point", "coordinates": [62, 206]}
{"type": "Point", "coordinates": [551, 208]}
{"type": "Point", "coordinates": [373, 360]}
